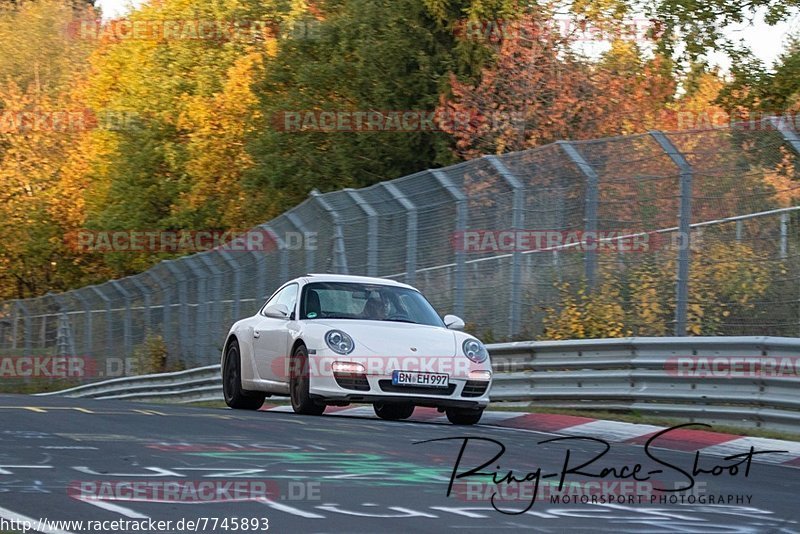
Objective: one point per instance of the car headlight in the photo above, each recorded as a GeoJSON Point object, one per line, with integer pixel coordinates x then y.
{"type": "Point", "coordinates": [475, 351]}
{"type": "Point", "coordinates": [339, 342]}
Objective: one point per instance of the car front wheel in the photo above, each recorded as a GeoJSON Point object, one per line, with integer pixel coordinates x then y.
{"type": "Point", "coordinates": [393, 411]}
{"type": "Point", "coordinates": [462, 416]}
{"type": "Point", "coordinates": [299, 383]}
{"type": "Point", "coordinates": [235, 396]}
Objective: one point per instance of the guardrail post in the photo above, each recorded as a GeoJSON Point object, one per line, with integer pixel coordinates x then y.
{"type": "Point", "coordinates": [339, 253]}
{"type": "Point", "coordinates": [684, 227]}
{"type": "Point", "coordinates": [590, 214]}
{"type": "Point", "coordinates": [372, 230]}
{"type": "Point", "coordinates": [126, 325]}
{"type": "Point", "coordinates": [461, 227]}
{"type": "Point", "coordinates": [109, 320]}
{"type": "Point", "coordinates": [411, 230]}
{"type": "Point", "coordinates": [298, 223]}
{"type": "Point", "coordinates": [518, 224]}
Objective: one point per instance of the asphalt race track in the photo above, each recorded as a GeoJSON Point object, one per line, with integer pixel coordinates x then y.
{"type": "Point", "coordinates": [342, 474]}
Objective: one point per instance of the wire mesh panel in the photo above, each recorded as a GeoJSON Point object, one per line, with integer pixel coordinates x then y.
{"type": "Point", "coordinates": [688, 232]}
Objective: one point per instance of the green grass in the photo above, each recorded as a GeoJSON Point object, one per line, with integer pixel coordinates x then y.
{"type": "Point", "coordinates": [633, 417]}
{"type": "Point", "coordinates": [36, 385]}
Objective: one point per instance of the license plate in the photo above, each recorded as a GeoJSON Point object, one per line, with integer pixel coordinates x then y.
{"type": "Point", "coordinates": [411, 378]}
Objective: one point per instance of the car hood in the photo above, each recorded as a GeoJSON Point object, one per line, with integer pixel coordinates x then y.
{"type": "Point", "coordinates": [393, 339]}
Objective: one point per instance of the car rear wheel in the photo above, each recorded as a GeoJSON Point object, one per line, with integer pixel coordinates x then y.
{"type": "Point", "coordinates": [393, 411]}
{"type": "Point", "coordinates": [235, 396]}
{"type": "Point", "coordinates": [463, 416]}
{"type": "Point", "coordinates": [299, 382]}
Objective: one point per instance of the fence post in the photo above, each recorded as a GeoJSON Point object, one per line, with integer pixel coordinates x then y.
{"type": "Point", "coordinates": [684, 226]}
{"type": "Point", "coordinates": [461, 226]}
{"type": "Point", "coordinates": [201, 325]}
{"type": "Point", "coordinates": [372, 230]}
{"type": "Point", "coordinates": [212, 312]}
{"type": "Point", "coordinates": [784, 235]}
{"type": "Point", "coordinates": [339, 253]}
{"type": "Point", "coordinates": [590, 219]}
{"type": "Point", "coordinates": [166, 306]}
{"type": "Point", "coordinates": [87, 331]}
{"type": "Point", "coordinates": [109, 321]}
{"type": "Point", "coordinates": [237, 282]}
{"type": "Point", "coordinates": [518, 224]}
{"type": "Point", "coordinates": [183, 312]}
{"type": "Point", "coordinates": [27, 330]}
{"type": "Point", "coordinates": [284, 254]}
{"type": "Point", "coordinates": [126, 325]}
{"type": "Point", "coordinates": [789, 135]}
{"type": "Point", "coordinates": [14, 327]}
{"type": "Point", "coordinates": [411, 230]}
{"type": "Point", "coordinates": [146, 305]}
{"type": "Point", "coordinates": [298, 223]}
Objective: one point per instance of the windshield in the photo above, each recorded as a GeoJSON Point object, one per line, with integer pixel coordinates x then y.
{"type": "Point", "coordinates": [371, 302]}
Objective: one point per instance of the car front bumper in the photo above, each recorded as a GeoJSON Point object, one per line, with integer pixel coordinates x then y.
{"type": "Point", "coordinates": [335, 388]}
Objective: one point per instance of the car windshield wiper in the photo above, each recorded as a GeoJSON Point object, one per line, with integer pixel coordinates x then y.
{"type": "Point", "coordinates": [401, 321]}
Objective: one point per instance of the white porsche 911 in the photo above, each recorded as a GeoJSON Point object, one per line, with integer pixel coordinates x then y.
{"type": "Point", "coordinates": [334, 340]}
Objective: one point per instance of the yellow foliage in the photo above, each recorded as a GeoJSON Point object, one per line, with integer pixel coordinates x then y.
{"type": "Point", "coordinates": [724, 279]}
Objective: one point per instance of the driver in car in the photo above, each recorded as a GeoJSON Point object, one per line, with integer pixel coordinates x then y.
{"type": "Point", "coordinates": [375, 308]}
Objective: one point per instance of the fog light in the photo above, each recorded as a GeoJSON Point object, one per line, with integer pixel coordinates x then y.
{"type": "Point", "coordinates": [480, 375]}
{"type": "Point", "coordinates": [348, 367]}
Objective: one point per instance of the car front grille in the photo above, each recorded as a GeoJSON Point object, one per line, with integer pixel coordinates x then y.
{"type": "Point", "coordinates": [474, 388]}
{"type": "Point", "coordinates": [387, 387]}
{"type": "Point", "coordinates": [357, 382]}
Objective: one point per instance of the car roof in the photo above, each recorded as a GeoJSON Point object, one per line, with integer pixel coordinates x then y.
{"type": "Point", "coordinates": [353, 279]}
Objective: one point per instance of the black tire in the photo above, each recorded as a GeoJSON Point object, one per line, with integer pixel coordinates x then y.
{"type": "Point", "coordinates": [392, 411]}
{"type": "Point", "coordinates": [463, 416]}
{"type": "Point", "coordinates": [302, 402]}
{"type": "Point", "coordinates": [235, 396]}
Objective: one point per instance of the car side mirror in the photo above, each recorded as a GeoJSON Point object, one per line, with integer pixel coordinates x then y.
{"type": "Point", "coordinates": [454, 322]}
{"type": "Point", "coordinates": [277, 311]}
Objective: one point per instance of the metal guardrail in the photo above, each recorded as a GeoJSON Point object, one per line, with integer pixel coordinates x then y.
{"type": "Point", "coordinates": [193, 385]}
{"type": "Point", "coordinates": [632, 374]}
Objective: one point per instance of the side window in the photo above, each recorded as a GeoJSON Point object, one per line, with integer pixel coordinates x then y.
{"type": "Point", "coordinates": [286, 296]}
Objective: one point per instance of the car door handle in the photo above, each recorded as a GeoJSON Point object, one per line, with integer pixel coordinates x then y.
{"type": "Point", "coordinates": [256, 333]}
